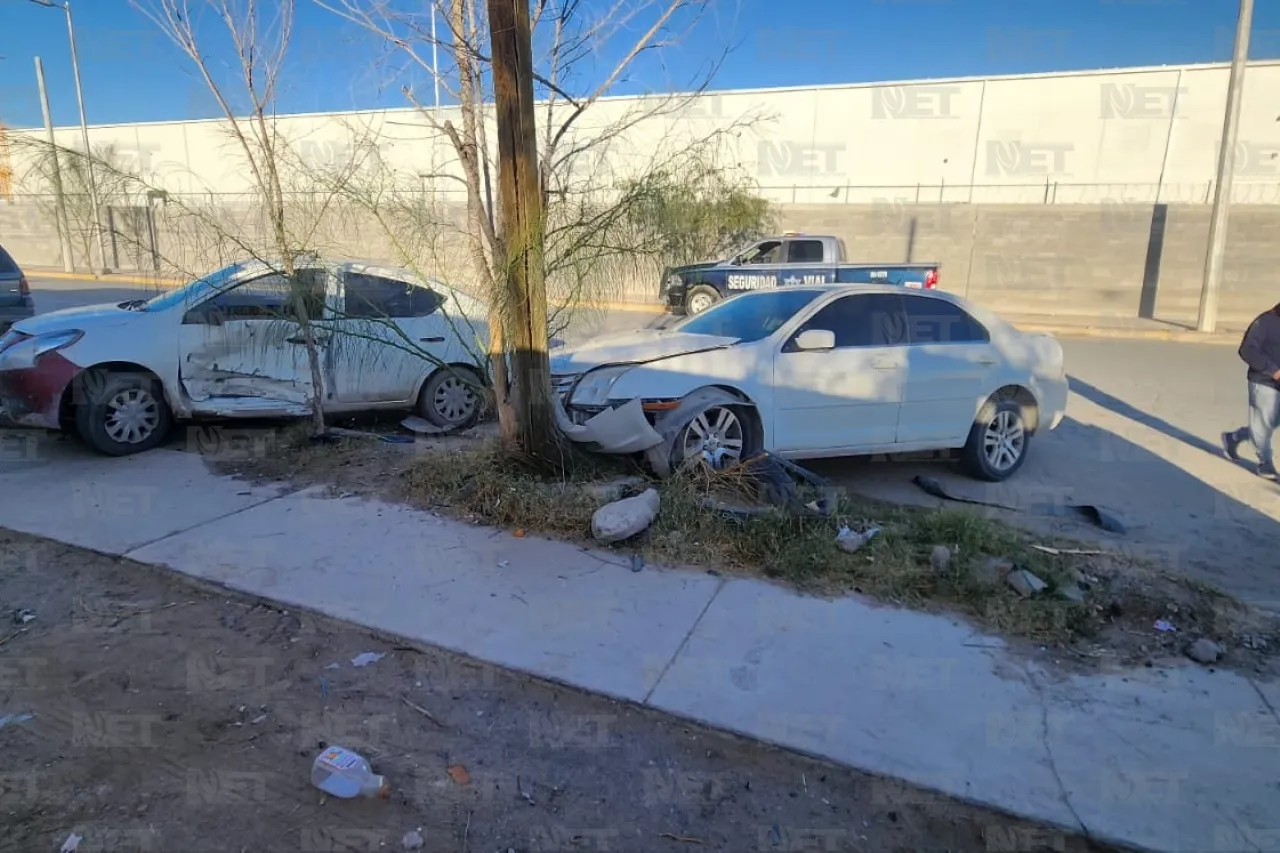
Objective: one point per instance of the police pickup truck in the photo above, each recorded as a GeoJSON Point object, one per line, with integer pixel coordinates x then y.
{"type": "Point", "coordinates": [780, 261]}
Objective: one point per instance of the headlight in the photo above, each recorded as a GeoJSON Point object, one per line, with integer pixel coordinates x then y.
{"type": "Point", "coordinates": [674, 280]}
{"type": "Point", "coordinates": [23, 353]}
{"type": "Point", "coordinates": [594, 388]}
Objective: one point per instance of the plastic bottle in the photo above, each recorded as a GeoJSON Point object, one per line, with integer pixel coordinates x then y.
{"type": "Point", "coordinates": [346, 774]}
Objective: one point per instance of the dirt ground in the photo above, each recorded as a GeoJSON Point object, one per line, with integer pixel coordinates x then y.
{"type": "Point", "coordinates": [169, 716]}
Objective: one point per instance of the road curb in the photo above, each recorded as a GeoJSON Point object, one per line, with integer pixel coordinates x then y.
{"type": "Point", "coordinates": [1186, 336]}
{"type": "Point", "coordinates": [122, 279]}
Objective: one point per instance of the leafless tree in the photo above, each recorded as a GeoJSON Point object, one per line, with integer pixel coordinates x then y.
{"type": "Point", "coordinates": [580, 210]}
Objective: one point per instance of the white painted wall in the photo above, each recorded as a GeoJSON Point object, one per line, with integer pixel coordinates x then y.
{"type": "Point", "coordinates": [1132, 135]}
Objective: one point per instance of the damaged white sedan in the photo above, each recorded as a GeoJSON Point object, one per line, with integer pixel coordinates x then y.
{"type": "Point", "coordinates": [229, 345]}
{"type": "Point", "coordinates": [808, 372]}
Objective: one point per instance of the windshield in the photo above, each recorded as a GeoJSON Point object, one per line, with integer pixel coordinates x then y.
{"type": "Point", "coordinates": [751, 316]}
{"type": "Point", "coordinates": [193, 291]}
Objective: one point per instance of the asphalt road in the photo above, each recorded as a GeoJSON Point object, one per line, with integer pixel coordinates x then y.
{"type": "Point", "coordinates": [1141, 438]}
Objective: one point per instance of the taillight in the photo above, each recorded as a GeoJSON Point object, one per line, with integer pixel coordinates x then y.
{"type": "Point", "coordinates": [24, 288]}
{"type": "Point", "coordinates": [931, 279]}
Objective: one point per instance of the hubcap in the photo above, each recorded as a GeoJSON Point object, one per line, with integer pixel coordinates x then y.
{"type": "Point", "coordinates": [454, 400]}
{"type": "Point", "coordinates": [699, 302]}
{"type": "Point", "coordinates": [132, 416]}
{"type": "Point", "coordinates": [1004, 441]}
{"type": "Point", "coordinates": [714, 437]}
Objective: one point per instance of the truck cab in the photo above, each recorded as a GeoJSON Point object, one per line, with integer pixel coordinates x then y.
{"type": "Point", "coordinates": [788, 259]}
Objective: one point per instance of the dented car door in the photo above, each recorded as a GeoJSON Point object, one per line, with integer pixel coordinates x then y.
{"type": "Point", "coordinates": [241, 351]}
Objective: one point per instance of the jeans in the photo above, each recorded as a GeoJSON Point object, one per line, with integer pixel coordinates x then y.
{"type": "Point", "coordinates": [1264, 417]}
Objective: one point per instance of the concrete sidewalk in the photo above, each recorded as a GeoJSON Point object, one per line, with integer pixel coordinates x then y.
{"type": "Point", "coordinates": [1183, 759]}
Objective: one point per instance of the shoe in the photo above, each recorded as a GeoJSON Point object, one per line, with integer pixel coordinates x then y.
{"type": "Point", "coordinates": [1231, 446]}
{"type": "Point", "coordinates": [1267, 472]}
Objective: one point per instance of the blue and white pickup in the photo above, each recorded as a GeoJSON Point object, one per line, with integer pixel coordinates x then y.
{"type": "Point", "coordinates": [790, 259]}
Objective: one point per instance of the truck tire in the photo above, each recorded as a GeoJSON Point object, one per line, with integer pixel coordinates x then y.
{"type": "Point", "coordinates": [700, 298]}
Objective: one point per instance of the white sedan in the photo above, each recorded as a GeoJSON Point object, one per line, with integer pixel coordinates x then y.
{"type": "Point", "coordinates": [227, 346]}
{"type": "Point", "coordinates": [810, 372]}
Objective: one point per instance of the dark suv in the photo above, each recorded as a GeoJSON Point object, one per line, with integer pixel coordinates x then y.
{"type": "Point", "coordinates": [15, 293]}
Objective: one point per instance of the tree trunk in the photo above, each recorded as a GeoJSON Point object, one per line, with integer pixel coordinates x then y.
{"type": "Point", "coordinates": [521, 226]}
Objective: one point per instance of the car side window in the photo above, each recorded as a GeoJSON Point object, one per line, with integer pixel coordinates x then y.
{"type": "Point", "coordinates": [268, 297]}
{"type": "Point", "coordinates": [937, 321]}
{"type": "Point", "coordinates": [861, 320]}
{"type": "Point", "coordinates": [377, 296]}
{"type": "Point", "coordinates": [768, 252]}
{"type": "Point", "coordinates": [804, 252]}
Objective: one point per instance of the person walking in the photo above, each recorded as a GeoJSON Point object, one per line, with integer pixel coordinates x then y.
{"type": "Point", "coordinates": [1260, 349]}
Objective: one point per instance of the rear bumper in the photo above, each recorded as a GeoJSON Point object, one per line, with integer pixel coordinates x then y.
{"type": "Point", "coordinates": [10, 314]}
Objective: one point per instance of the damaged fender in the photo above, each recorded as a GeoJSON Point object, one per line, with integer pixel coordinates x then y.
{"type": "Point", "coordinates": [670, 425]}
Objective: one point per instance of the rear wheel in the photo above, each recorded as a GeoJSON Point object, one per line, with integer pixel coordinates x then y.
{"type": "Point", "coordinates": [122, 413]}
{"type": "Point", "coordinates": [701, 298]}
{"type": "Point", "coordinates": [998, 441]}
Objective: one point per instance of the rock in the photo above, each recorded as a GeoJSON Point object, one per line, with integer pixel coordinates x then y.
{"type": "Point", "coordinates": [1204, 651]}
{"type": "Point", "coordinates": [1072, 592]}
{"type": "Point", "coordinates": [940, 559]}
{"type": "Point", "coordinates": [612, 490]}
{"type": "Point", "coordinates": [412, 840]}
{"type": "Point", "coordinates": [1024, 582]}
{"type": "Point", "coordinates": [992, 570]}
{"type": "Point", "coordinates": [623, 519]}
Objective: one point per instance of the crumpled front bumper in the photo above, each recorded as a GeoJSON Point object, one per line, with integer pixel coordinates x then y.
{"type": "Point", "coordinates": [32, 396]}
{"type": "Point", "coordinates": [623, 430]}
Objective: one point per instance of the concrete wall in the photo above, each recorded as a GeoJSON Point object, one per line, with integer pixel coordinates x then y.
{"type": "Point", "coordinates": [1110, 259]}
{"type": "Point", "coordinates": [1125, 135]}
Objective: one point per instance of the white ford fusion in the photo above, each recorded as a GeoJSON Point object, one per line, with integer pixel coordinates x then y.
{"type": "Point", "coordinates": [227, 345]}
{"type": "Point", "coordinates": [809, 372]}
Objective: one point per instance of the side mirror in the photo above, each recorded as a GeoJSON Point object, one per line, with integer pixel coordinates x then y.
{"type": "Point", "coordinates": [816, 340]}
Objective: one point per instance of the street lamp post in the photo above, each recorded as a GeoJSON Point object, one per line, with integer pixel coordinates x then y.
{"type": "Point", "coordinates": [84, 132]}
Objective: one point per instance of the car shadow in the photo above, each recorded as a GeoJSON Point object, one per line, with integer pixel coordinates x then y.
{"type": "Point", "coordinates": [1175, 518]}
{"type": "Point", "coordinates": [1114, 404]}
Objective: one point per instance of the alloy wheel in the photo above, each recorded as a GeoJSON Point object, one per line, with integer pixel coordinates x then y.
{"type": "Point", "coordinates": [715, 436]}
{"type": "Point", "coordinates": [1004, 441]}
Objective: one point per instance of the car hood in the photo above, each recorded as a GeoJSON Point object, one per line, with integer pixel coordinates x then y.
{"type": "Point", "coordinates": [76, 318]}
{"type": "Point", "coordinates": [634, 347]}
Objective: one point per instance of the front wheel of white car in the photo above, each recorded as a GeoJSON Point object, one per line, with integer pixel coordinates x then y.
{"type": "Point", "coordinates": [122, 413]}
{"type": "Point", "coordinates": [718, 437]}
{"type": "Point", "coordinates": [998, 441]}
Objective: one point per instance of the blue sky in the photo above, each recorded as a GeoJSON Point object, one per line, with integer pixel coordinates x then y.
{"type": "Point", "coordinates": [131, 74]}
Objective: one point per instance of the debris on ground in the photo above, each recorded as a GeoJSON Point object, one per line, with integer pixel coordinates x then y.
{"type": "Point", "coordinates": [623, 519]}
{"type": "Point", "coordinates": [422, 426]}
{"type": "Point", "coordinates": [342, 773]}
{"type": "Point", "coordinates": [459, 774]}
{"type": "Point", "coordinates": [851, 541]}
{"type": "Point", "coordinates": [612, 490]}
{"type": "Point", "coordinates": [1069, 552]}
{"type": "Point", "coordinates": [1072, 592]}
{"type": "Point", "coordinates": [992, 570]}
{"type": "Point", "coordinates": [15, 718]}
{"type": "Point", "coordinates": [366, 658]}
{"type": "Point", "coordinates": [412, 839]}
{"type": "Point", "coordinates": [1099, 516]}
{"type": "Point", "coordinates": [940, 559]}
{"type": "Point", "coordinates": [1164, 626]}
{"type": "Point", "coordinates": [637, 562]}
{"type": "Point", "coordinates": [71, 844]}
{"type": "Point", "coordinates": [22, 616]}
{"type": "Point", "coordinates": [1025, 583]}
{"type": "Point", "coordinates": [1205, 651]}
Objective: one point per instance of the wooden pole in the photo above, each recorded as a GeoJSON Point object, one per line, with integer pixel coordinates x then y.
{"type": "Point", "coordinates": [521, 225]}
